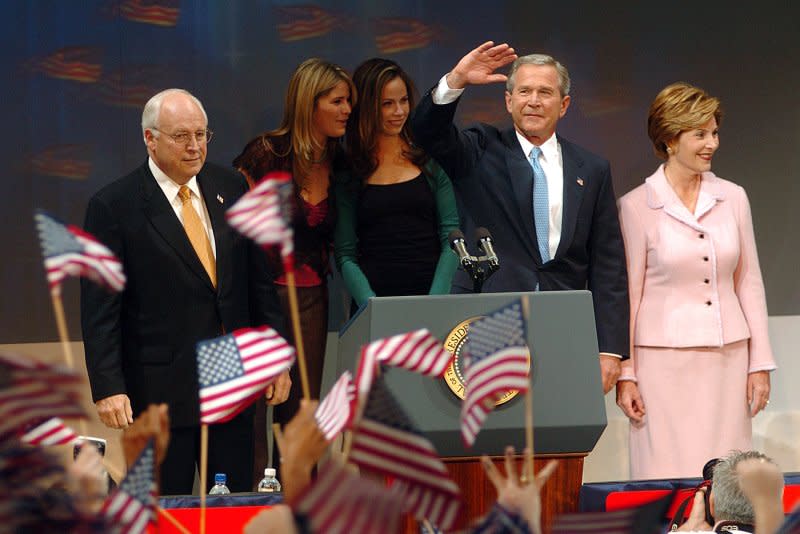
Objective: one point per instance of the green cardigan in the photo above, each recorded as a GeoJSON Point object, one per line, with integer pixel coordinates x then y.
{"type": "Point", "coordinates": [346, 240]}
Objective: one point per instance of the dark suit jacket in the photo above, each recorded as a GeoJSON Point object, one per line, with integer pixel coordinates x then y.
{"type": "Point", "coordinates": [142, 341]}
{"type": "Point", "coordinates": [493, 181]}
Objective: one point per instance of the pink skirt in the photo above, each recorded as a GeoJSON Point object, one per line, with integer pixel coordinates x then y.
{"type": "Point", "coordinates": [696, 409]}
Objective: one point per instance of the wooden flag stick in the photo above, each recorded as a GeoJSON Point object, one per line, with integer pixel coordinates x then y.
{"type": "Point", "coordinates": [298, 334]}
{"type": "Point", "coordinates": [174, 522]}
{"type": "Point", "coordinates": [529, 433]}
{"type": "Point", "coordinates": [61, 323]}
{"type": "Point", "coordinates": [203, 475]}
{"type": "Point", "coordinates": [360, 405]}
{"type": "Point", "coordinates": [66, 348]}
{"type": "Point", "coordinates": [528, 403]}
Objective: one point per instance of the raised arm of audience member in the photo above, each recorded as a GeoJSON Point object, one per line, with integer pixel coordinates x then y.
{"type": "Point", "coordinates": [762, 484]}
{"type": "Point", "coordinates": [301, 445]}
{"type": "Point", "coordinates": [87, 481]}
{"type": "Point", "coordinates": [515, 494]}
{"type": "Point", "coordinates": [697, 517]}
{"type": "Point", "coordinates": [151, 423]}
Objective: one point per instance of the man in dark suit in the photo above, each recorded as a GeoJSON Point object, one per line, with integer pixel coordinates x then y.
{"type": "Point", "coordinates": [548, 203]}
{"type": "Point", "coordinates": [189, 277]}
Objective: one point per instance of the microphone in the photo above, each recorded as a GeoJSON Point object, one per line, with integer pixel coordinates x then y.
{"type": "Point", "coordinates": [485, 244]}
{"type": "Point", "coordinates": [459, 246]}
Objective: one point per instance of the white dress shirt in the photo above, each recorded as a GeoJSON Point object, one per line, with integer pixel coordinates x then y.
{"type": "Point", "coordinates": [553, 167]}
{"type": "Point", "coordinates": [170, 190]}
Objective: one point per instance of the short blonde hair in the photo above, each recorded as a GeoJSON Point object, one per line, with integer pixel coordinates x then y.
{"type": "Point", "coordinates": [679, 107]}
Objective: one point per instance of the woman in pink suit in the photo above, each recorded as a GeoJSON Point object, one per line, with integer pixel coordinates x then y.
{"type": "Point", "coordinates": [699, 368]}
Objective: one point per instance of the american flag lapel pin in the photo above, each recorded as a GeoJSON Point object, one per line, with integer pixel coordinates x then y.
{"type": "Point", "coordinates": [222, 200]}
{"type": "Point", "coordinates": [580, 181]}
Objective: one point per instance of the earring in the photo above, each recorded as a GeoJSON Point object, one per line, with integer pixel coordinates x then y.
{"type": "Point", "coordinates": [669, 150]}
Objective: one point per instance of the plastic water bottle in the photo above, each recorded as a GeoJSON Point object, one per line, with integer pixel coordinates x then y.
{"type": "Point", "coordinates": [269, 483]}
{"type": "Point", "coordinates": [219, 485]}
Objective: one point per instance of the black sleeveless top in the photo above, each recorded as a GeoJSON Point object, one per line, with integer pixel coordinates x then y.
{"type": "Point", "coordinates": [398, 240]}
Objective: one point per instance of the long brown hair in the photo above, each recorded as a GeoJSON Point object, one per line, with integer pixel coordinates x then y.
{"type": "Point", "coordinates": [364, 125]}
{"type": "Point", "coordinates": [313, 79]}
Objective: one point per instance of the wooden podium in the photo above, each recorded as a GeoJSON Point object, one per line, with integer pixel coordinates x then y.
{"type": "Point", "coordinates": [569, 411]}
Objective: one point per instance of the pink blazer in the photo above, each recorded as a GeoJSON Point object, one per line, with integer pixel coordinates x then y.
{"type": "Point", "coordinates": [694, 280]}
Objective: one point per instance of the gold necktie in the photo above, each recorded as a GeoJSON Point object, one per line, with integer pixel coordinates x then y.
{"type": "Point", "coordinates": [197, 234]}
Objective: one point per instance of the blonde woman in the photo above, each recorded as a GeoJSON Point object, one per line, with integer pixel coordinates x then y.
{"type": "Point", "coordinates": [318, 103]}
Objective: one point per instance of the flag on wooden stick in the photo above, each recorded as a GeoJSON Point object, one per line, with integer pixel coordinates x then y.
{"type": "Point", "coordinates": [341, 502]}
{"type": "Point", "coordinates": [333, 413]}
{"type": "Point", "coordinates": [418, 351]}
{"type": "Point", "coordinates": [31, 391]}
{"type": "Point", "coordinates": [132, 505]}
{"type": "Point", "coordinates": [235, 368]}
{"type": "Point", "coordinates": [385, 441]}
{"type": "Point", "coordinates": [495, 360]}
{"type": "Point", "coordinates": [263, 214]}
{"type": "Point", "coordinates": [69, 251]}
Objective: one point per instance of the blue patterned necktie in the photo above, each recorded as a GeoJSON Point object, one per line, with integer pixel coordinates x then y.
{"type": "Point", "coordinates": [541, 205]}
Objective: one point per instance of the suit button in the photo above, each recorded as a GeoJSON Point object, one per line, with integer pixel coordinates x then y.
{"type": "Point", "coordinates": [706, 281]}
{"type": "Point", "coordinates": [708, 303]}
{"type": "Point", "coordinates": [705, 258]}
{"type": "Point", "coordinates": [702, 236]}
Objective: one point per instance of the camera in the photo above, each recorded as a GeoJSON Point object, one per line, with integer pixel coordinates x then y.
{"type": "Point", "coordinates": [99, 443]}
{"type": "Point", "coordinates": [708, 478]}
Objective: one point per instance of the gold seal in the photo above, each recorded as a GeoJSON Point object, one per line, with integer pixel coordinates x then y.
{"type": "Point", "coordinates": [454, 375]}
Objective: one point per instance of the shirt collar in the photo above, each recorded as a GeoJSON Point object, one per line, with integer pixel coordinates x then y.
{"type": "Point", "coordinates": [660, 192]}
{"type": "Point", "coordinates": [166, 184]}
{"type": "Point", "coordinates": [549, 148]}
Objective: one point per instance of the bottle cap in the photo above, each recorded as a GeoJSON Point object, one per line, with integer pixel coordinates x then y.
{"type": "Point", "coordinates": [269, 472]}
{"type": "Point", "coordinates": [220, 478]}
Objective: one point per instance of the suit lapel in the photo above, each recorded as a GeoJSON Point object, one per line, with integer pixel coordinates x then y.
{"type": "Point", "coordinates": [216, 211]}
{"type": "Point", "coordinates": [574, 185]}
{"type": "Point", "coordinates": [520, 177]}
{"type": "Point", "coordinates": [661, 195]}
{"type": "Point", "coordinates": [166, 223]}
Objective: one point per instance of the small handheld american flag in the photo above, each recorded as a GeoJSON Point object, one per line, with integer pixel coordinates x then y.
{"type": "Point", "coordinates": [385, 441]}
{"type": "Point", "coordinates": [235, 368]}
{"type": "Point", "coordinates": [333, 413]}
{"type": "Point", "coordinates": [132, 505]}
{"type": "Point", "coordinates": [52, 431]}
{"type": "Point", "coordinates": [31, 391]}
{"type": "Point", "coordinates": [417, 351]}
{"type": "Point", "coordinates": [496, 360]}
{"type": "Point", "coordinates": [341, 502]}
{"type": "Point", "coordinates": [263, 214]}
{"type": "Point", "coordinates": [69, 251]}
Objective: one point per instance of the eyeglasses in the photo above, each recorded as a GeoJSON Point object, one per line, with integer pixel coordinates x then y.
{"type": "Point", "coordinates": [184, 138]}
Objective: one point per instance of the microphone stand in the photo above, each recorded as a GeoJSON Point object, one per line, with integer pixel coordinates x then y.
{"type": "Point", "coordinates": [479, 273]}
{"type": "Point", "coordinates": [480, 268]}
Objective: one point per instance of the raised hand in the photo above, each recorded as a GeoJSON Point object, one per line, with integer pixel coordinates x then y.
{"type": "Point", "coordinates": [478, 66]}
{"type": "Point", "coordinates": [515, 492]}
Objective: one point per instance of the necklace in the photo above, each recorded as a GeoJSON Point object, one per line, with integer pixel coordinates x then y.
{"type": "Point", "coordinates": [322, 157]}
